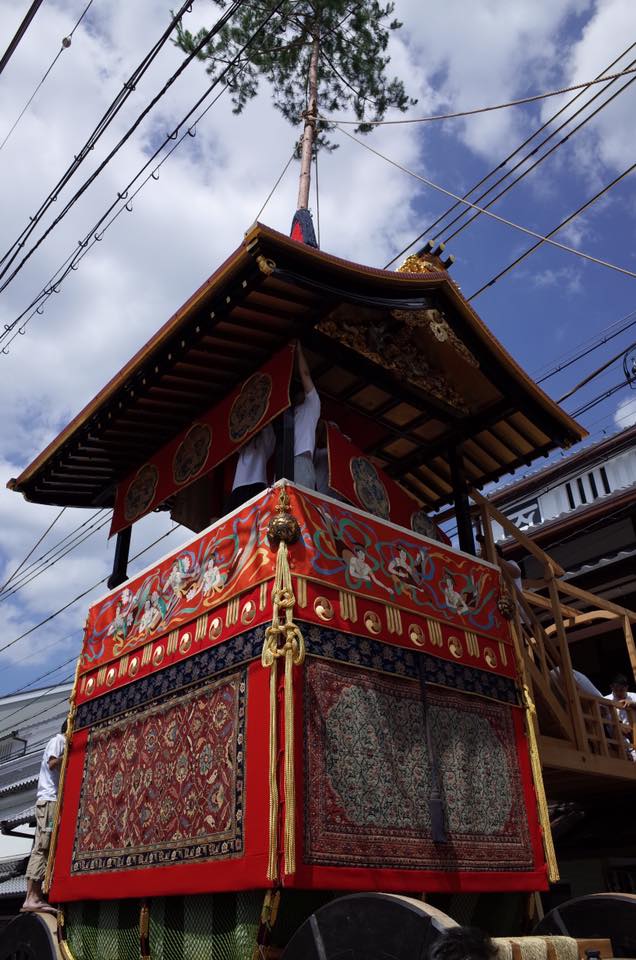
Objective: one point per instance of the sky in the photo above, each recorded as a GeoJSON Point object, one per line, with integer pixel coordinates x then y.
{"type": "Point", "coordinates": [451, 57]}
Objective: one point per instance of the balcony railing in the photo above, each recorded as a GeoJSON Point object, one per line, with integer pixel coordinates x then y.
{"type": "Point", "coordinates": [576, 730]}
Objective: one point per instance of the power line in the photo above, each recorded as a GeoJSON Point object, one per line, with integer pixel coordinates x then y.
{"type": "Point", "coordinates": [514, 153]}
{"type": "Point", "coordinates": [477, 110]}
{"type": "Point", "coordinates": [599, 399]}
{"type": "Point", "coordinates": [548, 153]}
{"type": "Point", "coordinates": [627, 322]}
{"type": "Point", "coordinates": [51, 563]}
{"type": "Point", "coordinates": [81, 595]}
{"type": "Point", "coordinates": [275, 187]}
{"type": "Point", "coordinates": [37, 716]}
{"type": "Point", "coordinates": [31, 551]}
{"type": "Point", "coordinates": [559, 226]}
{"type": "Point", "coordinates": [17, 37]}
{"type": "Point", "coordinates": [593, 375]}
{"type": "Point", "coordinates": [220, 23]}
{"type": "Point", "coordinates": [510, 223]}
{"type": "Point", "coordinates": [34, 563]}
{"type": "Point", "coordinates": [123, 200]}
{"type": "Point", "coordinates": [66, 43]}
{"type": "Point", "coordinates": [104, 122]}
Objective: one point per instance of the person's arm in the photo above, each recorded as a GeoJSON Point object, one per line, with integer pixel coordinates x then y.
{"type": "Point", "coordinates": [55, 762]}
{"type": "Point", "coordinates": [303, 370]}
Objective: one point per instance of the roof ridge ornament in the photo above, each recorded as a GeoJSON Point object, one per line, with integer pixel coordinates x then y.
{"type": "Point", "coordinates": [428, 259]}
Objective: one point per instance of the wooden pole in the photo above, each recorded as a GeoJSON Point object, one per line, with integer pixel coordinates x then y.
{"type": "Point", "coordinates": [309, 133]}
{"type": "Point", "coordinates": [120, 561]}
{"type": "Point", "coordinates": [565, 673]}
{"type": "Point", "coordinates": [465, 531]}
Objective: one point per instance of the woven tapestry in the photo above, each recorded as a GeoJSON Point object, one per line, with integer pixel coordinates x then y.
{"type": "Point", "coordinates": [165, 785]}
{"type": "Point", "coordinates": [368, 776]}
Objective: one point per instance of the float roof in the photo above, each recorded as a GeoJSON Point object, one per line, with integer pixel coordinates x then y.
{"type": "Point", "coordinates": [402, 362]}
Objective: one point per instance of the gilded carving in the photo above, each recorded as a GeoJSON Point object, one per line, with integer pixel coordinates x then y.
{"type": "Point", "coordinates": [390, 343]}
{"type": "Point", "coordinates": [435, 321]}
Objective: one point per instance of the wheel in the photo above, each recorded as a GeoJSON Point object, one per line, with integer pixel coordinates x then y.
{"type": "Point", "coordinates": [31, 936]}
{"type": "Point", "coordinates": [369, 926]}
{"type": "Point", "coordinates": [599, 916]}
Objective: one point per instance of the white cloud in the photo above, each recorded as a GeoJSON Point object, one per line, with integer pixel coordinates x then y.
{"type": "Point", "coordinates": [625, 413]}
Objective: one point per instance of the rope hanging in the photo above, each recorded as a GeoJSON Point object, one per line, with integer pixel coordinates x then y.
{"type": "Point", "coordinates": [283, 639]}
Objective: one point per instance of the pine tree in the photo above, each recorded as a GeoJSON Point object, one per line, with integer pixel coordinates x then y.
{"type": "Point", "coordinates": [318, 56]}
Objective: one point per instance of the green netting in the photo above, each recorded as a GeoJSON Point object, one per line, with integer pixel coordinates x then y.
{"type": "Point", "coordinates": [220, 926]}
{"type": "Point", "coordinates": [103, 930]}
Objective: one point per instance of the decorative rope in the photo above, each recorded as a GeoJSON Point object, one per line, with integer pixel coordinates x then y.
{"type": "Point", "coordinates": [282, 639]}
{"type": "Point", "coordinates": [537, 773]}
{"type": "Point", "coordinates": [530, 715]}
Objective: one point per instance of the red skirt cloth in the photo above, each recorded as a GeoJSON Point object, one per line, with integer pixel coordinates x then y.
{"type": "Point", "coordinates": [169, 777]}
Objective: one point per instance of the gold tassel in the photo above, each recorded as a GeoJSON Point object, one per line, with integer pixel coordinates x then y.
{"type": "Point", "coordinates": [282, 639]}
{"type": "Point", "coordinates": [530, 713]}
{"type": "Point", "coordinates": [537, 774]}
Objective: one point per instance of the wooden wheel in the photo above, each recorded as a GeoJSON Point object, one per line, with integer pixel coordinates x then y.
{"type": "Point", "coordinates": [600, 916]}
{"type": "Point", "coordinates": [30, 936]}
{"type": "Point", "coordinates": [369, 926]}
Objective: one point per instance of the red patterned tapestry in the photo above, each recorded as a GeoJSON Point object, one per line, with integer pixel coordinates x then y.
{"type": "Point", "coordinates": [368, 778]}
{"type": "Point", "coordinates": [166, 784]}
{"type": "Point", "coordinates": [211, 439]}
{"type": "Point", "coordinates": [355, 476]}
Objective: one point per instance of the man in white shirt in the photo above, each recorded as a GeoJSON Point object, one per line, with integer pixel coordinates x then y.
{"type": "Point", "coordinates": [621, 695]}
{"type": "Point", "coordinates": [250, 476]}
{"type": "Point", "coordinates": [306, 417]}
{"type": "Point", "coordinates": [45, 806]}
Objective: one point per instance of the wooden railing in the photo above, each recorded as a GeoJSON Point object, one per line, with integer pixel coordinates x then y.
{"type": "Point", "coordinates": [543, 613]}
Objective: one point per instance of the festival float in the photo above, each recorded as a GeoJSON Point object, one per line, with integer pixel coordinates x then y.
{"type": "Point", "coordinates": [316, 709]}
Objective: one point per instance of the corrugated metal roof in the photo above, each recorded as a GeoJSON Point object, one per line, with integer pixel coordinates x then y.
{"type": "Point", "coordinates": [12, 867]}
{"type": "Point", "coordinates": [18, 785]}
{"type": "Point", "coordinates": [9, 820]}
{"type": "Point", "coordinates": [16, 887]}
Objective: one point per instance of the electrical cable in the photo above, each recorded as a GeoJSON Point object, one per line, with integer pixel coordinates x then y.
{"type": "Point", "coordinates": [66, 43]}
{"type": "Point", "coordinates": [44, 557]}
{"type": "Point", "coordinates": [599, 399]}
{"type": "Point", "coordinates": [38, 573]}
{"type": "Point", "coordinates": [524, 173]}
{"type": "Point", "coordinates": [104, 122]}
{"type": "Point", "coordinates": [81, 595]}
{"type": "Point", "coordinates": [317, 197]}
{"type": "Point", "coordinates": [48, 673]}
{"type": "Point", "coordinates": [510, 223]}
{"type": "Point", "coordinates": [275, 187]}
{"type": "Point", "coordinates": [546, 239]}
{"type": "Point", "coordinates": [37, 716]}
{"type": "Point", "coordinates": [31, 551]}
{"type": "Point", "coordinates": [19, 34]}
{"type": "Point", "coordinates": [478, 110]}
{"type": "Point", "coordinates": [111, 112]}
{"type": "Point", "coordinates": [514, 153]}
{"type": "Point", "coordinates": [219, 25]}
{"type": "Point", "coordinates": [72, 261]}
{"type": "Point", "coordinates": [593, 375]}
{"type": "Point", "coordinates": [630, 322]}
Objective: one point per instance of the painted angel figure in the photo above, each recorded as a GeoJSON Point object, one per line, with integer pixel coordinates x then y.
{"type": "Point", "coordinates": [454, 599]}
{"type": "Point", "coordinates": [214, 579]}
{"type": "Point", "coordinates": [124, 615]}
{"type": "Point", "coordinates": [181, 578]}
{"type": "Point", "coordinates": [355, 561]}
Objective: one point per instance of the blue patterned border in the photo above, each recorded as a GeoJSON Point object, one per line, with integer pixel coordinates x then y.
{"type": "Point", "coordinates": [240, 649]}
{"type": "Point", "coordinates": [321, 641]}
{"type": "Point", "coordinates": [389, 658]}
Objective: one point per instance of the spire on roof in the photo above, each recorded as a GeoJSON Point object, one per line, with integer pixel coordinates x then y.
{"type": "Point", "coordinates": [303, 228]}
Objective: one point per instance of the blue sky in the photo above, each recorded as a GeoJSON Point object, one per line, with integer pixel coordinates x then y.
{"type": "Point", "coordinates": [454, 56]}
